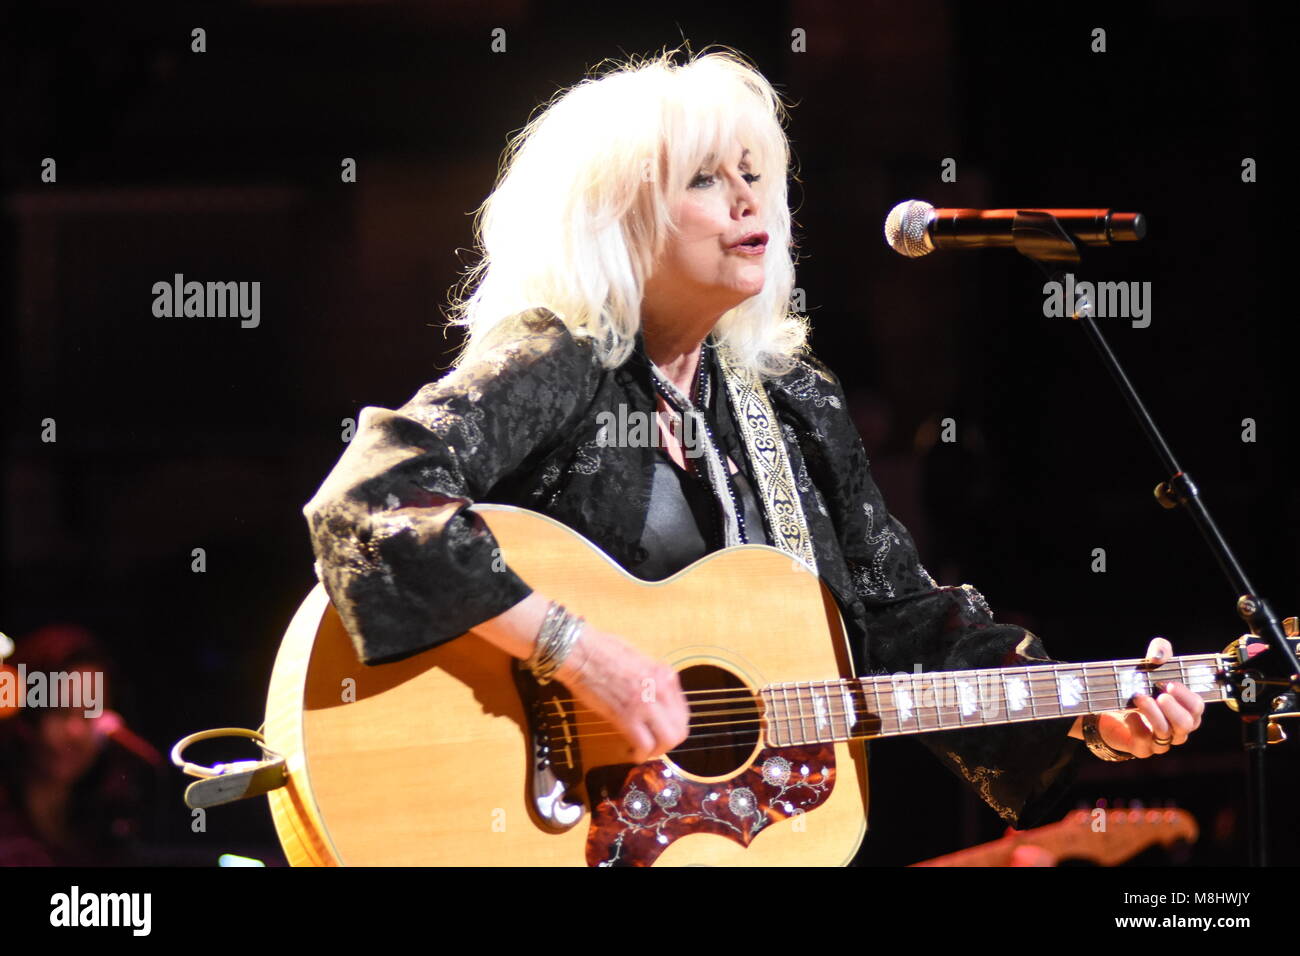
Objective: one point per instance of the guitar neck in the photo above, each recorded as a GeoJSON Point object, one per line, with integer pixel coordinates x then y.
{"type": "Point", "coordinates": [813, 712]}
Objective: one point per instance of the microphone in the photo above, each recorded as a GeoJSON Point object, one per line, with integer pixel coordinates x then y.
{"type": "Point", "coordinates": [915, 228]}
{"type": "Point", "coordinates": [111, 725]}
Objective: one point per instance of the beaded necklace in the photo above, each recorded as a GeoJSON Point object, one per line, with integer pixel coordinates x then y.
{"type": "Point", "coordinates": [717, 474]}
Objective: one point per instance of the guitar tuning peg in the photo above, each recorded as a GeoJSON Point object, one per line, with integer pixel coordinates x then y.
{"type": "Point", "coordinates": [1291, 627]}
{"type": "Point", "coordinates": [1275, 732]}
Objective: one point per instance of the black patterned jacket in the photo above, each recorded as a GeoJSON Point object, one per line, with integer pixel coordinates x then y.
{"type": "Point", "coordinates": [408, 567]}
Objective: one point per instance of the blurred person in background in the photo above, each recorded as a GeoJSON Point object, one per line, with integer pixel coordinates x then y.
{"type": "Point", "coordinates": [69, 795]}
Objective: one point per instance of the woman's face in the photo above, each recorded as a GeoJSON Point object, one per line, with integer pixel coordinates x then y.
{"type": "Point", "coordinates": [707, 263]}
{"type": "Point", "coordinates": [68, 745]}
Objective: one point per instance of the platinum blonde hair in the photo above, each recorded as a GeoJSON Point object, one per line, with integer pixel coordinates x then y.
{"type": "Point", "coordinates": [582, 206]}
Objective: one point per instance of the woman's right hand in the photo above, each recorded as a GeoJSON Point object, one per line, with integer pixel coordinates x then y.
{"type": "Point", "coordinates": [640, 697]}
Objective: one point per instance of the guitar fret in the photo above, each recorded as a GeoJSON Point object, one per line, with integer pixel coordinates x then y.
{"type": "Point", "coordinates": [969, 698]}
{"type": "Point", "coordinates": [789, 714]}
{"type": "Point", "coordinates": [929, 693]}
{"type": "Point", "coordinates": [984, 706]}
{"type": "Point", "coordinates": [947, 699]}
{"type": "Point", "coordinates": [798, 699]}
{"type": "Point", "coordinates": [798, 712]}
{"type": "Point", "coordinates": [903, 701]}
{"type": "Point", "coordinates": [918, 702]}
{"type": "Point", "coordinates": [828, 709]}
{"type": "Point", "coordinates": [1201, 679]}
{"type": "Point", "coordinates": [1070, 692]}
{"type": "Point", "coordinates": [879, 709]}
{"type": "Point", "coordinates": [846, 700]}
{"type": "Point", "coordinates": [1017, 693]}
{"type": "Point", "coordinates": [1135, 683]}
{"type": "Point", "coordinates": [774, 722]}
{"type": "Point", "coordinates": [867, 711]}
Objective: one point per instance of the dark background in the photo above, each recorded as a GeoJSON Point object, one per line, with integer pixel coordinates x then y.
{"type": "Point", "coordinates": [182, 433]}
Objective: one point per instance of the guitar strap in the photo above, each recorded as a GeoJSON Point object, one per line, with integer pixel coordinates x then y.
{"type": "Point", "coordinates": [760, 430]}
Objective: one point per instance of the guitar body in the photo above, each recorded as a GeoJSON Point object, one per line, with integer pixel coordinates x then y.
{"type": "Point", "coordinates": [427, 761]}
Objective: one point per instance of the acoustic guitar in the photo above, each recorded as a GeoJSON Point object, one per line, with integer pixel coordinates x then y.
{"type": "Point", "coordinates": [455, 756]}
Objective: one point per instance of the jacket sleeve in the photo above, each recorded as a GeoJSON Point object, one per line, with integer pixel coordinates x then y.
{"type": "Point", "coordinates": [404, 562]}
{"type": "Point", "coordinates": [1021, 771]}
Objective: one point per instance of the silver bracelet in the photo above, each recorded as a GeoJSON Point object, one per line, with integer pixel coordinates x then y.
{"type": "Point", "coordinates": [555, 640]}
{"type": "Point", "coordinates": [1099, 747]}
{"type": "Point", "coordinates": [548, 637]}
{"type": "Point", "coordinates": [554, 616]}
{"type": "Point", "coordinates": [564, 644]}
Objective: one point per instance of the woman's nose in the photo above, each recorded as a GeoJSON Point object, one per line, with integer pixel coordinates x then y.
{"type": "Point", "coordinates": [746, 201]}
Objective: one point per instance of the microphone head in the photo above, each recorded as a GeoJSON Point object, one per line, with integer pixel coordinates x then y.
{"type": "Point", "coordinates": [907, 228]}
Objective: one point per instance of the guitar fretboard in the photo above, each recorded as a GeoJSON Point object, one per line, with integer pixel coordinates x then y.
{"type": "Point", "coordinates": [815, 712]}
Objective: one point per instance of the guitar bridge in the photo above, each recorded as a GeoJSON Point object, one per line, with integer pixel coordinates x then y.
{"type": "Point", "coordinates": [554, 774]}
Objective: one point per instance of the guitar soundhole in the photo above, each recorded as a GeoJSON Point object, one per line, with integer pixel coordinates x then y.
{"type": "Point", "coordinates": [725, 722]}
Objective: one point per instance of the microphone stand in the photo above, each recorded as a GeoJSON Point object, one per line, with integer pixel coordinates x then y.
{"type": "Point", "coordinates": [1039, 237]}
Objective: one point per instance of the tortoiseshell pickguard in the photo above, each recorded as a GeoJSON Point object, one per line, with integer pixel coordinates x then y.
{"type": "Point", "coordinates": [638, 811]}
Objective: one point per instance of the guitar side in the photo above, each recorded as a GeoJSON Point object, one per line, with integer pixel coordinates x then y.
{"type": "Point", "coordinates": [425, 761]}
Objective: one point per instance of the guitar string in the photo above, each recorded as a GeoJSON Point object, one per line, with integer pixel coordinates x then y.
{"type": "Point", "coordinates": [858, 692]}
{"type": "Point", "coordinates": [568, 733]}
{"type": "Point", "coordinates": [1035, 676]}
{"type": "Point", "coordinates": [852, 737]}
{"type": "Point", "coordinates": [857, 695]}
{"type": "Point", "coordinates": [733, 725]}
{"type": "Point", "coordinates": [1101, 699]}
{"type": "Point", "coordinates": [567, 738]}
{"type": "Point", "coordinates": [880, 733]}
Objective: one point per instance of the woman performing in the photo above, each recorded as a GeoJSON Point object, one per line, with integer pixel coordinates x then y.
{"type": "Point", "coordinates": [637, 266]}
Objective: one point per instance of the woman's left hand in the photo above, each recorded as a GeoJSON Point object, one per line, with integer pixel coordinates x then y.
{"type": "Point", "coordinates": [1159, 723]}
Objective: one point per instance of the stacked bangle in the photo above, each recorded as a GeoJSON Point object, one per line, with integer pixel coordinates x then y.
{"type": "Point", "coordinates": [1092, 737]}
{"type": "Point", "coordinates": [555, 639]}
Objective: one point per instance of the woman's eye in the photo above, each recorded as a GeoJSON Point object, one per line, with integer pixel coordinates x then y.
{"type": "Point", "coordinates": [706, 179]}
